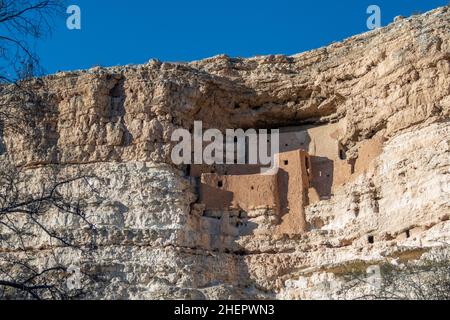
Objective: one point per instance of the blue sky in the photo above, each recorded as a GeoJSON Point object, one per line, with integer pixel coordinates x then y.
{"type": "Point", "coordinates": [118, 32]}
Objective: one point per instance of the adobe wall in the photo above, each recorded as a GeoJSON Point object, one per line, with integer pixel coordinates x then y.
{"type": "Point", "coordinates": [115, 124]}
{"type": "Point", "coordinates": [285, 192]}
{"type": "Point", "coordinates": [312, 166]}
{"type": "Point", "coordinates": [196, 170]}
{"type": "Point", "coordinates": [328, 170]}
{"type": "Point", "coordinates": [293, 184]}
{"type": "Point", "coordinates": [246, 192]}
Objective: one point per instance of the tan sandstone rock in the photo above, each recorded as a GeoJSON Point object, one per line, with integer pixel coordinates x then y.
{"type": "Point", "coordinates": [387, 90]}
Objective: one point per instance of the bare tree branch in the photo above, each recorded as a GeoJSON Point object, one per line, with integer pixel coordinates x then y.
{"type": "Point", "coordinates": [22, 22]}
{"type": "Point", "coordinates": [26, 209]}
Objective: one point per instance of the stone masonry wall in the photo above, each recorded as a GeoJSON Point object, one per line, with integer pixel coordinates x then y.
{"type": "Point", "coordinates": [387, 92]}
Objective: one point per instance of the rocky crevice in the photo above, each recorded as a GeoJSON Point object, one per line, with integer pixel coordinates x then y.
{"type": "Point", "coordinates": [390, 85]}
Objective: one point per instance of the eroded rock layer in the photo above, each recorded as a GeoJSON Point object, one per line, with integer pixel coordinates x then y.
{"type": "Point", "coordinates": [388, 94]}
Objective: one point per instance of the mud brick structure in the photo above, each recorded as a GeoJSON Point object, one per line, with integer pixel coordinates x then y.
{"type": "Point", "coordinates": [363, 180]}
{"type": "Point", "coordinates": [285, 191]}
{"type": "Point", "coordinates": [312, 163]}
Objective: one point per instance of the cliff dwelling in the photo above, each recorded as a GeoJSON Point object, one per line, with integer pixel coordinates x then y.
{"type": "Point", "coordinates": [90, 184]}
{"type": "Point", "coordinates": [312, 163]}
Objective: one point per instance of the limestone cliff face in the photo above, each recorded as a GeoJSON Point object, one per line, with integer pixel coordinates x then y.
{"type": "Point", "coordinates": [390, 85]}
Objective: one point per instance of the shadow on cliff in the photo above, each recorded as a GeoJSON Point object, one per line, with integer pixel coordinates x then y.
{"type": "Point", "coordinates": [117, 109]}
{"type": "Point", "coordinates": [322, 168]}
{"type": "Point", "coordinates": [322, 176]}
{"type": "Point", "coordinates": [2, 141]}
{"type": "Point", "coordinates": [242, 243]}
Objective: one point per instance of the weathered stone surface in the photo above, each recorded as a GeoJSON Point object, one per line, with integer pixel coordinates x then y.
{"type": "Point", "coordinates": [391, 86]}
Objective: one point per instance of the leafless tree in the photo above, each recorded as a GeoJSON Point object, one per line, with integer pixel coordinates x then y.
{"type": "Point", "coordinates": [33, 247]}
{"type": "Point", "coordinates": [32, 243]}
{"type": "Point", "coordinates": [426, 279]}
{"type": "Point", "coordinates": [28, 215]}
{"type": "Point", "coordinates": [22, 22]}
